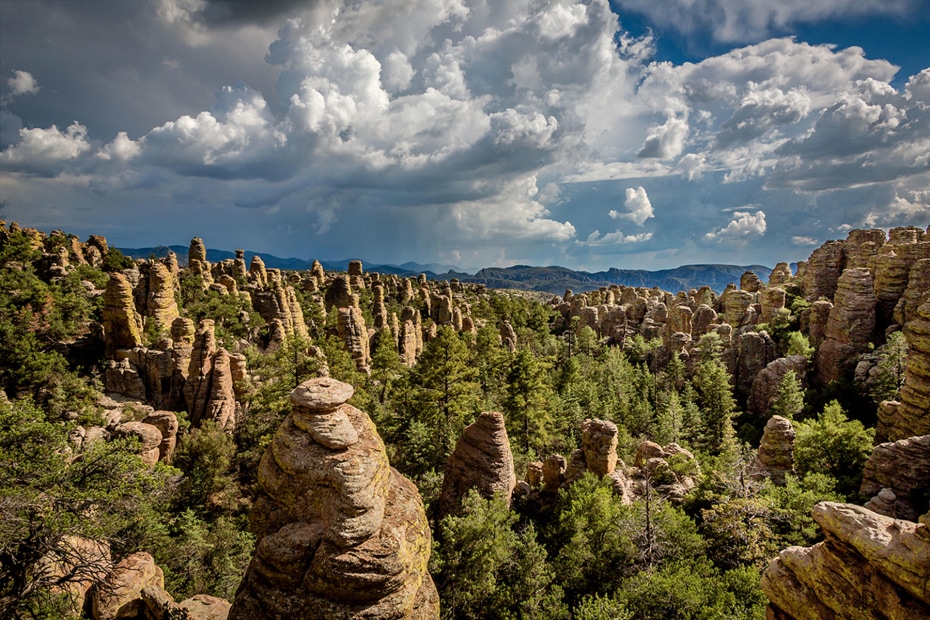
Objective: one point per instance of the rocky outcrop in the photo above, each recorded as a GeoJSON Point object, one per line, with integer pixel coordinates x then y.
{"type": "Point", "coordinates": [410, 340]}
{"type": "Point", "coordinates": [167, 424]}
{"type": "Point", "coordinates": [851, 325]}
{"type": "Point", "coordinates": [508, 336]}
{"type": "Point", "coordinates": [756, 350]}
{"type": "Point", "coordinates": [338, 293]}
{"type": "Point", "coordinates": [119, 595]}
{"type": "Point", "coordinates": [918, 285]}
{"type": "Point", "coordinates": [339, 533]}
{"type": "Point", "coordinates": [749, 282]}
{"type": "Point", "coordinates": [775, 457]}
{"type": "Point", "coordinates": [209, 391]}
{"type": "Point", "coordinates": [780, 275]}
{"type": "Point", "coordinates": [257, 272]}
{"type": "Point", "coordinates": [350, 325]}
{"type": "Point", "coordinates": [766, 383]}
{"type": "Point", "coordinates": [823, 271]}
{"type": "Point", "coordinates": [221, 403]}
{"type": "Point", "coordinates": [122, 325]}
{"type": "Point", "coordinates": [148, 436]}
{"type": "Point", "coordinates": [279, 301]}
{"type": "Point", "coordinates": [904, 468]}
{"type": "Point", "coordinates": [868, 566]}
{"type": "Point", "coordinates": [481, 460]}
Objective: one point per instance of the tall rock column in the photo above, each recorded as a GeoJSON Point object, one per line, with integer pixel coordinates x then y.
{"type": "Point", "coordinates": [161, 306]}
{"type": "Point", "coordinates": [911, 417]}
{"type": "Point", "coordinates": [340, 534]}
{"type": "Point", "coordinates": [850, 326]}
{"type": "Point", "coordinates": [122, 325]}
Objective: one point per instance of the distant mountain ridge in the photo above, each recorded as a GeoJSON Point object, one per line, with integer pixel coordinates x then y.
{"type": "Point", "coordinates": [551, 279]}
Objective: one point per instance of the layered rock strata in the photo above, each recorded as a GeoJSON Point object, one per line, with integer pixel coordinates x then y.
{"type": "Point", "coordinates": [903, 467]}
{"type": "Point", "coordinates": [868, 566]}
{"type": "Point", "coordinates": [122, 325]}
{"type": "Point", "coordinates": [851, 325]}
{"type": "Point", "coordinates": [339, 533]}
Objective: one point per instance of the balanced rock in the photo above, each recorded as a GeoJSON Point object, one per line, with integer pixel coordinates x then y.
{"type": "Point", "coordinates": [868, 566]}
{"type": "Point", "coordinates": [339, 533]}
{"type": "Point", "coordinates": [481, 460]}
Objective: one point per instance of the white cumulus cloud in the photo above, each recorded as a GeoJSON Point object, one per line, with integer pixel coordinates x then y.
{"type": "Point", "coordinates": [22, 83]}
{"type": "Point", "coordinates": [638, 207]}
{"type": "Point", "coordinates": [745, 225]}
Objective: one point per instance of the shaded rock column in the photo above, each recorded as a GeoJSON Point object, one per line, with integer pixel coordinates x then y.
{"type": "Point", "coordinates": [481, 460]}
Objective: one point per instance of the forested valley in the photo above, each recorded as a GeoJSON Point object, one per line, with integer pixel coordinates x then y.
{"type": "Point", "coordinates": [652, 455]}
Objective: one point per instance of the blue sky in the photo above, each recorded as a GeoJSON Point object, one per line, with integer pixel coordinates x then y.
{"type": "Point", "coordinates": [589, 134]}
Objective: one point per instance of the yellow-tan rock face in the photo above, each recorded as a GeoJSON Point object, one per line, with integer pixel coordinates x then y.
{"type": "Point", "coordinates": [868, 566]}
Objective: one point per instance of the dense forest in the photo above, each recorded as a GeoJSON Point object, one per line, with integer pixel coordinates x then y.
{"type": "Point", "coordinates": [687, 535]}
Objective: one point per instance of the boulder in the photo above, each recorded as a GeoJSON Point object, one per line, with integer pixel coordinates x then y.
{"type": "Point", "coordinates": [120, 594]}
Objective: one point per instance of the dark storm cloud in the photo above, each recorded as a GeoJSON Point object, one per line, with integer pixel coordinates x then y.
{"type": "Point", "coordinates": [240, 12]}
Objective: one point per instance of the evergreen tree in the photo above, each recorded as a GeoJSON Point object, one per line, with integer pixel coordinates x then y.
{"type": "Point", "coordinates": [49, 500]}
{"type": "Point", "coordinates": [716, 403]}
{"type": "Point", "coordinates": [485, 568]}
{"type": "Point", "coordinates": [525, 404]}
{"type": "Point", "coordinates": [443, 397]}
{"type": "Point", "coordinates": [789, 399]}
{"type": "Point", "coordinates": [835, 445]}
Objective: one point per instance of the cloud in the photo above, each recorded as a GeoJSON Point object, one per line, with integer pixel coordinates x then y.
{"type": "Point", "coordinates": [422, 128]}
{"type": "Point", "coordinates": [804, 241]}
{"type": "Point", "coordinates": [665, 141]}
{"type": "Point", "coordinates": [761, 110]}
{"type": "Point", "coordinates": [739, 21]}
{"type": "Point", "coordinates": [596, 239]}
{"type": "Point", "coordinates": [41, 150]}
{"type": "Point", "coordinates": [744, 226]}
{"type": "Point", "coordinates": [638, 207]}
{"type": "Point", "coordinates": [22, 83]}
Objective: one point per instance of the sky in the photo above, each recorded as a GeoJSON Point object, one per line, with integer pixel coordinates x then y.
{"type": "Point", "coordinates": [588, 134]}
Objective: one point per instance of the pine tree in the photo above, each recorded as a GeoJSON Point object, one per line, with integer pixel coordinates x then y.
{"type": "Point", "coordinates": [789, 399]}
{"type": "Point", "coordinates": [526, 399]}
